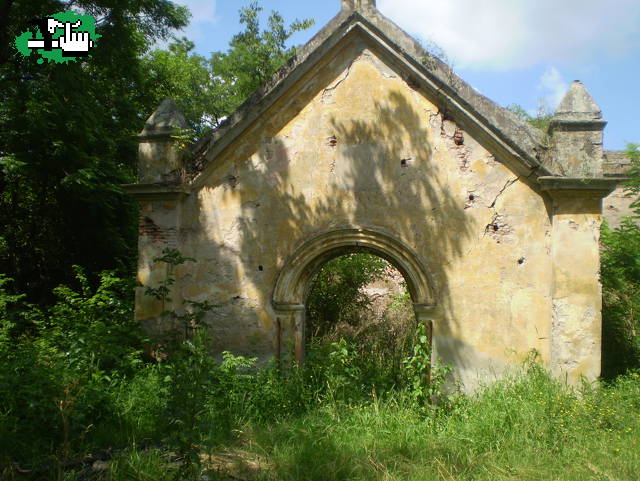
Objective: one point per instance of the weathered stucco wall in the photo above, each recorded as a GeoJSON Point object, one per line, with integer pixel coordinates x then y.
{"type": "Point", "coordinates": [616, 206]}
{"type": "Point", "coordinates": [354, 144]}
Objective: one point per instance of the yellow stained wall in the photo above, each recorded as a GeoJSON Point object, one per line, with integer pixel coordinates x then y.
{"type": "Point", "coordinates": [353, 143]}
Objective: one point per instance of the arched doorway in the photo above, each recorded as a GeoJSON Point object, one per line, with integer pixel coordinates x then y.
{"type": "Point", "coordinates": [295, 278]}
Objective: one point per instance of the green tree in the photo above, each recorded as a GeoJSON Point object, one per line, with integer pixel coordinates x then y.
{"type": "Point", "coordinates": [253, 56]}
{"type": "Point", "coordinates": [179, 73]}
{"type": "Point", "coordinates": [621, 298]}
{"type": "Point", "coordinates": [208, 90]}
{"type": "Point", "coordinates": [67, 141]}
{"type": "Point", "coordinates": [541, 120]}
{"type": "Point", "coordinates": [632, 186]}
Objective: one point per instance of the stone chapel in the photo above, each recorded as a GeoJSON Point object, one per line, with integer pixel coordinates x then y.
{"type": "Point", "coordinates": [364, 141]}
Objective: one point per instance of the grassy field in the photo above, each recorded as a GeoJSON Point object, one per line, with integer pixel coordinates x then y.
{"type": "Point", "coordinates": [527, 427]}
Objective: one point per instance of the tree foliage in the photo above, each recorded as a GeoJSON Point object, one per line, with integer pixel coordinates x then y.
{"type": "Point", "coordinates": [208, 90]}
{"type": "Point", "coordinates": [621, 283]}
{"type": "Point", "coordinates": [253, 56]}
{"type": "Point", "coordinates": [67, 141]}
{"type": "Point", "coordinates": [621, 298]}
{"type": "Point", "coordinates": [179, 73]}
{"type": "Point", "coordinates": [633, 185]}
{"type": "Point", "coordinates": [336, 295]}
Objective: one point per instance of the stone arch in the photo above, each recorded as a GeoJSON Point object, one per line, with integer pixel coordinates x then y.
{"type": "Point", "coordinates": [294, 280]}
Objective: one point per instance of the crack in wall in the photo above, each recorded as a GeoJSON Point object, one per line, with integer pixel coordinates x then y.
{"type": "Point", "coordinates": [327, 94]}
{"type": "Point", "coordinates": [498, 228]}
{"type": "Point", "coordinates": [508, 184]}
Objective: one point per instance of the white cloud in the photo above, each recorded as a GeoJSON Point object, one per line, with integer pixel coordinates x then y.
{"type": "Point", "coordinates": [203, 16]}
{"type": "Point", "coordinates": [553, 87]}
{"type": "Point", "coordinates": [503, 34]}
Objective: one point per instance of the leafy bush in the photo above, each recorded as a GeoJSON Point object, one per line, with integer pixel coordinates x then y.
{"type": "Point", "coordinates": [621, 283]}
{"type": "Point", "coordinates": [621, 298]}
{"type": "Point", "coordinates": [58, 366]}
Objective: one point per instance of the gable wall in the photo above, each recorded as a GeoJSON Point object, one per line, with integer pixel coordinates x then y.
{"type": "Point", "coordinates": [354, 144]}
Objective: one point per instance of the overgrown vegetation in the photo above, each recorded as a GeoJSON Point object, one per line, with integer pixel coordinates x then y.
{"type": "Point", "coordinates": [173, 419]}
{"type": "Point", "coordinates": [80, 400]}
{"type": "Point", "coordinates": [621, 284]}
{"type": "Point", "coordinates": [68, 132]}
{"type": "Point", "coordinates": [80, 396]}
{"type": "Point", "coordinates": [74, 380]}
{"type": "Point", "coordinates": [375, 330]}
{"type": "Point", "coordinates": [541, 119]}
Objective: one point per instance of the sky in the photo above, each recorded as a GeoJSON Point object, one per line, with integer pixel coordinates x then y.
{"type": "Point", "coordinates": [513, 51]}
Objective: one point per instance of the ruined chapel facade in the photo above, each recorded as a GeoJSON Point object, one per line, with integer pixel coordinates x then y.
{"type": "Point", "coordinates": [365, 142]}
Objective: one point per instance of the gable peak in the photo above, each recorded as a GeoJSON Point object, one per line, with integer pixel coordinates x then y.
{"type": "Point", "coordinates": [358, 5]}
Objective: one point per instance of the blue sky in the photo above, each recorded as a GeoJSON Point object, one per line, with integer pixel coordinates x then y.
{"type": "Point", "coordinates": [512, 51]}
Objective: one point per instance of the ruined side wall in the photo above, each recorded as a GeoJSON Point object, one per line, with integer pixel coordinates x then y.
{"type": "Point", "coordinates": [616, 206]}
{"type": "Point", "coordinates": [355, 144]}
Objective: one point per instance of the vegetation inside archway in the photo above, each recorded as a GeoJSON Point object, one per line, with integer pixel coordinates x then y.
{"type": "Point", "coordinates": [359, 307]}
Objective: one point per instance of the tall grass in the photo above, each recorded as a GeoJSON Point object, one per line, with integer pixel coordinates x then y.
{"type": "Point", "coordinates": [524, 427]}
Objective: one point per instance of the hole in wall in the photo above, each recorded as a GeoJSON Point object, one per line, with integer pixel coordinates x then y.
{"type": "Point", "coordinates": [232, 180]}
{"type": "Point", "coordinates": [458, 137]}
{"type": "Point", "coordinates": [260, 268]}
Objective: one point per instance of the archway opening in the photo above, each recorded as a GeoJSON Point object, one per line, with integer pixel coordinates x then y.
{"type": "Point", "coordinates": [295, 281]}
{"type": "Point", "coordinates": [359, 315]}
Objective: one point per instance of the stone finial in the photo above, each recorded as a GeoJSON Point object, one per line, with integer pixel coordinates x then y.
{"type": "Point", "coordinates": [159, 158]}
{"type": "Point", "coordinates": [578, 105]}
{"type": "Point", "coordinates": [166, 119]}
{"type": "Point", "coordinates": [576, 134]}
{"type": "Point", "coordinates": [360, 5]}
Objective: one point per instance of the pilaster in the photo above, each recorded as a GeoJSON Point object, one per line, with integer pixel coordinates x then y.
{"type": "Point", "coordinates": [576, 319]}
{"type": "Point", "coordinates": [159, 197]}
{"type": "Point", "coordinates": [425, 315]}
{"type": "Point", "coordinates": [290, 325]}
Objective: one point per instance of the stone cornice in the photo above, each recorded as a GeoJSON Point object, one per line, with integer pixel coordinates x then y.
{"type": "Point", "coordinates": [590, 186]}
{"type": "Point", "coordinates": [577, 124]}
{"type": "Point", "coordinates": [143, 192]}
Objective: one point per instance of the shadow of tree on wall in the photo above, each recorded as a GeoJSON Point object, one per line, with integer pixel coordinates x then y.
{"type": "Point", "coordinates": [376, 172]}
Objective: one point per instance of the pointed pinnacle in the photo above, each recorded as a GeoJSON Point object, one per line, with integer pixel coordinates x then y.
{"type": "Point", "coordinates": [166, 117]}
{"type": "Point", "coordinates": [578, 105]}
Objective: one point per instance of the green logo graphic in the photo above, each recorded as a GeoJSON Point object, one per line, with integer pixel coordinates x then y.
{"type": "Point", "coordinates": [60, 38]}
